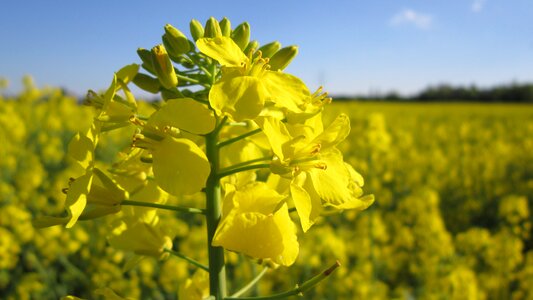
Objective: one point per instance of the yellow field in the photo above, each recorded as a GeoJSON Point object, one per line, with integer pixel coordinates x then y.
{"type": "Point", "coordinates": [453, 185]}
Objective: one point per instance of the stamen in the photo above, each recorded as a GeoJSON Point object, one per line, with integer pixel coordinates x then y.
{"type": "Point", "coordinates": [315, 149]}
{"type": "Point", "coordinates": [136, 121]}
{"type": "Point", "coordinates": [259, 54]}
{"type": "Point", "coordinates": [321, 165]}
{"type": "Point", "coordinates": [172, 131]}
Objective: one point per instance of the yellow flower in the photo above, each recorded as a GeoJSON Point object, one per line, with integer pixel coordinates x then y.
{"type": "Point", "coordinates": [113, 110]}
{"type": "Point", "coordinates": [312, 168]}
{"type": "Point", "coordinates": [131, 174]}
{"type": "Point", "coordinates": [247, 83]}
{"type": "Point", "coordinates": [179, 165]}
{"type": "Point", "coordinates": [141, 238]}
{"type": "Point", "coordinates": [83, 145]}
{"type": "Point", "coordinates": [256, 222]}
{"type": "Point", "coordinates": [89, 196]}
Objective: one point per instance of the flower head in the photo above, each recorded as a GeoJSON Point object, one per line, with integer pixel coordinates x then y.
{"type": "Point", "coordinates": [256, 222]}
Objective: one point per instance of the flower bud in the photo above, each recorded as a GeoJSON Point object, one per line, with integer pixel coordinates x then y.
{"type": "Point", "coordinates": [173, 54]}
{"type": "Point", "coordinates": [147, 83]}
{"type": "Point", "coordinates": [282, 58]}
{"type": "Point", "coordinates": [269, 49]}
{"type": "Point", "coordinates": [252, 46]}
{"type": "Point", "coordinates": [146, 58]}
{"type": "Point", "coordinates": [177, 40]}
{"type": "Point", "coordinates": [197, 30]}
{"type": "Point", "coordinates": [212, 28]}
{"type": "Point", "coordinates": [163, 67]}
{"type": "Point", "coordinates": [225, 27]}
{"type": "Point", "coordinates": [241, 35]}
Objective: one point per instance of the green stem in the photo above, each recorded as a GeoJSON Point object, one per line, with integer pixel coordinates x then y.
{"type": "Point", "coordinates": [220, 125]}
{"type": "Point", "coordinates": [201, 101]}
{"type": "Point", "coordinates": [238, 138]}
{"type": "Point", "coordinates": [206, 71]}
{"type": "Point", "coordinates": [217, 268]}
{"type": "Point", "coordinates": [246, 163]}
{"type": "Point", "coordinates": [190, 260]}
{"type": "Point", "coordinates": [250, 284]}
{"type": "Point", "coordinates": [190, 210]}
{"type": "Point", "coordinates": [186, 78]}
{"type": "Point", "coordinates": [241, 169]}
{"type": "Point", "coordinates": [298, 290]}
{"type": "Point", "coordinates": [213, 74]}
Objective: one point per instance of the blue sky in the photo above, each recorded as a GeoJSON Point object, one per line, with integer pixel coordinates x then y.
{"type": "Point", "coordinates": [349, 46]}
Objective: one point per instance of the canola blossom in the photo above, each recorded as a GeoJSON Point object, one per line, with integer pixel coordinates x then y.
{"type": "Point", "coordinates": [228, 114]}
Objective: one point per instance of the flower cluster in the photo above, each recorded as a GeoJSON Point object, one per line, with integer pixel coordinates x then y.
{"type": "Point", "coordinates": [240, 87]}
{"type": "Point", "coordinates": [232, 125]}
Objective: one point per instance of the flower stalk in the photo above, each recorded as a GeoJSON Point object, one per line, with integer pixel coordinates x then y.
{"type": "Point", "coordinates": [217, 269]}
{"type": "Point", "coordinates": [298, 290]}
{"type": "Point", "coordinates": [190, 210]}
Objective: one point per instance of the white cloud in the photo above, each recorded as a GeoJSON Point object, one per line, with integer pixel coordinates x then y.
{"type": "Point", "coordinates": [409, 16]}
{"type": "Point", "coordinates": [478, 5]}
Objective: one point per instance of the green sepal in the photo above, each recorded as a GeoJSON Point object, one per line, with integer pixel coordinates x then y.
{"type": "Point", "coordinates": [127, 73]}
{"type": "Point", "coordinates": [170, 94]}
{"type": "Point", "coordinates": [147, 83]}
{"type": "Point", "coordinates": [146, 58]}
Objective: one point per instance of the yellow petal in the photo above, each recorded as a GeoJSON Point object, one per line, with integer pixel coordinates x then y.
{"type": "Point", "coordinates": [277, 134]}
{"type": "Point", "coordinates": [333, 183]}
{"type": "Point", "coordinates": [241, 97]}
{"type": "Point", "coordinates": [260, 236]}
{"type": "Point", "coordinates": [82, 146]}
{"type": "Point", "coordinates": [196, 288]}
{"type": "Point", "coordinates": [356, 201]}
{"type": "Point", "coordinates": [109, 94]}
{"type": "Point", "coordinates": [307, 207]}
{"type": "Point", "coordinates": [180, 166]}
{"type": "Point", "coordinates": [81, 149]}
{"type": "Point", "coordinates": [335, 133]}
{"type": "Point", "coordinates": [286, 90]}
{"type": "Point", "coordinates": [252, 225]}
{"type": "Point", "coordinates": [104, 191]}
{"type": "Point", "coordinates": [127, 73]}
{"type": "Point", "coordinates": [117, 112]}
{"type": "Point", "coordinates": [223, 49]}
{"type": "Point", "coordinates": [140, 238]}
{"type": "Point", "coordinates": [257, 197]}
{"type": "Point", "coordinates": [77, 197]}
{"type": "Point", "coordinates": [186, 114]}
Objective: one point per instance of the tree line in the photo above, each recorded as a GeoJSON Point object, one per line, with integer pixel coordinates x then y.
{"type": "Point", "coordinates": [515, 92]}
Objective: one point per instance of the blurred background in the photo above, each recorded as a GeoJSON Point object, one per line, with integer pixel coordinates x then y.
{"type": "Point", "coordinates": [439, 96]}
